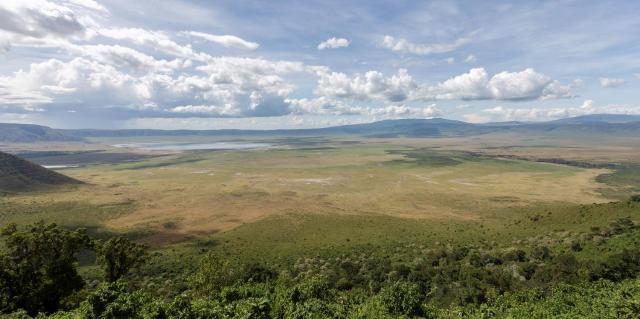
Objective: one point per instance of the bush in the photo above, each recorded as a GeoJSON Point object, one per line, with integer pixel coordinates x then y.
{"type": "Point", "coordinates": [402, 298]}
{"type": "Point", "coordinates": [113, 300]}
{"type": "Point", "coordinates": [541, 253]}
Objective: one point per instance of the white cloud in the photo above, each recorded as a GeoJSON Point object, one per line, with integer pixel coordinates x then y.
{"type": "Point", "coordinates": [88, 4]}
{"type": "Point", "coordinates": [227, 86]}
{"type": "Point", "coordinates": [328, 106]}
{"type": "Point", "coordinates": [470, 59]}
{"type": "Point", "coordinates": [157, 40]}
{"type": "Point", "coordinates": [371, 85]}
{"type": "Point", "coordinates": [611, 82]}
{"type": "Point", "coordinates": [124, 57]}
{"type": "Point", "coordinates": [476, 85]}
{"type": "Point", "coordinates": [42, 23]}
{"type": "Point", "coordinates": [334, 43]}
{"type": "Point", "coordinates": [450, 60]}
{"type": "Point", "coordinates": [11, 95]}
{"type": "Point", "coordinates": [227, 41]}
{"type": "Point", "coordinates": [401, 45]}
{"type": "Point", "coordinates": [39, 19]}
{"type": "Point", "coordinates": [468, 86]}
{"type": "Point", "coordinates": [322, 106]}
{"type": "Point", "coordinates": [502, 113]}
{"type": "Point", "coordinates": [224, 110]}
{"type": "Point", "coordinates": [526, 84]}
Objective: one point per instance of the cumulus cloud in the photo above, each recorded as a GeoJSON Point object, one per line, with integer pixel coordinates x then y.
{"type": "Point", "coordinates": [227, 41]}
{"type": "Point", "coordinates": [477, 85]}
{"type": "Point", "coordinates": [13, 96]}
{"type": "Point", "coordinates": [473, 85]}
{"type": "Point", "coordinates": [470, 59]}
{"type": "Point", "coordinates": [611, 82]}
{"type": "Point", "coordinates": [225, 87]}
{"type": "Point", "coordinates": [79, 81]}
{"type": "Point", "coordinates": [502, 113]}
{"type": "Point", "coordinates": [322, 106]}
{"type": "Point", "coordinates": [401, 45]}
{"type": "Point", "coordinates": [334, 43]}
{"type": "Point", "coordinates": [468, 86]}
{"type": "Point", "coordinates": [372, 85]}
{"type": "Point", "coordinates": [328, 106]}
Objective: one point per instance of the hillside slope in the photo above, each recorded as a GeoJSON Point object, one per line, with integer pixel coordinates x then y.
{"type": "Point", "coordinates": [19, 175]}
{"type": "Point", "coordinates": [29, 133]}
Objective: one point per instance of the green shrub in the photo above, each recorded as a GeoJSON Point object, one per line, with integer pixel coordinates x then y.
{"type": "Point", "coordinates": [402, 298]}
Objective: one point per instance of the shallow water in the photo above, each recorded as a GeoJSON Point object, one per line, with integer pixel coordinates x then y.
{"type": "Point", "coordinates": [61, 166]}
{"type": "Point", "coordinates": [193, 146]}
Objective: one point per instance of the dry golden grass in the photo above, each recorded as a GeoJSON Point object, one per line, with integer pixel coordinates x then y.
{"type": "Point", "coordinates": [223, 190]}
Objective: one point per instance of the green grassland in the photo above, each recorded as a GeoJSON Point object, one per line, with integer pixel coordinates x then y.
{"type": "Point", "coordinates": [313, 200]}
{"type": "Point", "coordinates": [177, 197]}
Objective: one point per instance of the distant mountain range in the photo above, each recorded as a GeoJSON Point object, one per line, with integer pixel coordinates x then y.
{"type": "Point", "coordinates": [27, 133]}
{"type": "Point", "coordinates": [20, 175]}
{"type": "Point", "coordinates": [615, 124]}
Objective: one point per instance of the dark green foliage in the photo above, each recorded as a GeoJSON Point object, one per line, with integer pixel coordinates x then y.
{"type": "Point", "coordinates": [596, 300]}
{"type": "Point", "coordinates": [257, 272]}
{"type": "Point", "coordinates": [563, 268]}
{"type": "Point", "coordinates": [114, 301]}
{"type": "Point", "coordinates": [541, 277]}
{"type": "Point", "coordinates": [213, 275]}
{"type": "Point", "coordinates": [618, 266]}
{"type": "Point", "coordinates": [402, 298]}
{"type": "Point", "coordinates": [118, 255]}
{"type": "Point", "coordinates": [38, 269]}
{"type": "Point", "coordinates": [425, 157]}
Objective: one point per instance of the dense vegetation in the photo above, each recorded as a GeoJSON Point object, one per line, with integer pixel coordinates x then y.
{"type": "Point", "coordinates": [578, 274]}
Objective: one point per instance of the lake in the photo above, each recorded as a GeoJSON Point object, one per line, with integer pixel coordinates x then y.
{"type": "Point", "coordinates": [193, 146]}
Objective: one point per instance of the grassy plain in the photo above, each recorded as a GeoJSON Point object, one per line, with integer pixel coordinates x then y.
{"type": "Point", "coordinates": [315, 195]}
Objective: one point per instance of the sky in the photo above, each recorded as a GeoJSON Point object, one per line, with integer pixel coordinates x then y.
{"type": "Point", "coordinates": [174, 64]}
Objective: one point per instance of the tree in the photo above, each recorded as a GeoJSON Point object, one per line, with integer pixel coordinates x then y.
{"type": "Point", "coordinates": [38, 267]}
{"type": "Point", "coordinates": [214, 274]}
{"type": "Point", "coordinates": [402, 298]}
{"type": "Point", "coordinates": [118, 255]}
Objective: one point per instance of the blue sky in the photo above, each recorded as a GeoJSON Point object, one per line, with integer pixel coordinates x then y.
{"type": "Point", "coordinates": [290, 64]}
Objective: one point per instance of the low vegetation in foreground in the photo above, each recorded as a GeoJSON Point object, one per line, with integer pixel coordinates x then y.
{"type": "Point", "coordinates": [590, 274]}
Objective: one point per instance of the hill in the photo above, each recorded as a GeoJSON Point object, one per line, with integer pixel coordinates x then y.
{"type": "Point", "coordinates": [611, 124]}
{"type": "Point", "coordinates": [29, 133]}
{"type": "Point", "coordinates": [599, 118]}
{"type": "Point", "coordinates": [436, 127]}
{"type": "Point", "coordinates": [19, 175]}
